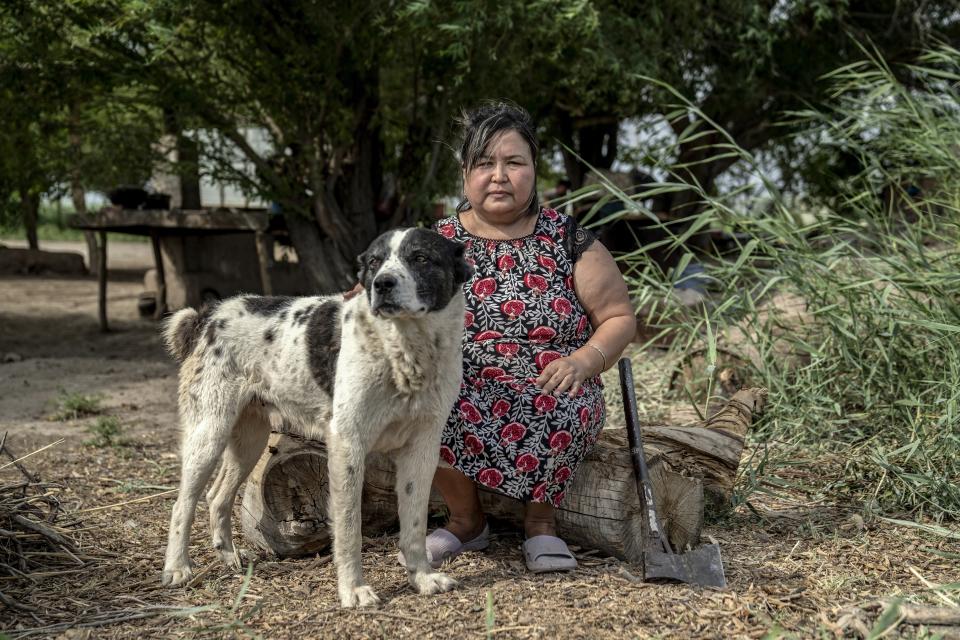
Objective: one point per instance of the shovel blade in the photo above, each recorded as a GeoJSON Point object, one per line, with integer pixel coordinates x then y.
{"type": "Point", "coordinates": [702, 566]}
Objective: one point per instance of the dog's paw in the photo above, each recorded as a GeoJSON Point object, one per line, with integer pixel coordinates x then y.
{"type": "Point", "coordinates": [176, 576]}
{"type": "Point", "coordinates": [234, 558]}
{"type": "Point", "coordinates": [362, 596]}
{"type": "Point", "coordinates": [431, 583]}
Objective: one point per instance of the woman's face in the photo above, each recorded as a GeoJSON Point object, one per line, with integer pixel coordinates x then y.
{"type": "Point", "coordinates": [501, 182]}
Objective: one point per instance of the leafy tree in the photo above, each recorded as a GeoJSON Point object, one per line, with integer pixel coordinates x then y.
{"type": "Point", "coordinates": [743, 63]}
{"type": "Point", "coordinates": [357, 99]}
{"type": "Point", "coordinates": [64, 122]}
{"type": "Point", "coordinates": [347, 94]}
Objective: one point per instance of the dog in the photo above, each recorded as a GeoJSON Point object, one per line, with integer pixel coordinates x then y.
{"type": "Point", "coordinates": [378, 372]}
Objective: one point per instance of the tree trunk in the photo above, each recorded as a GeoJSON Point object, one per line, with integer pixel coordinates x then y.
{"type": "Point", "coordinates": [594, 141]}
{"type": "Point", "coordinates": [345, 183]}
{"type": "Point", "coordinates": [188, 161]}
{"type": "Point", "coordinates": [30, 211]}
{"type": "Point", "coordinates": [77, 192]}
{"type": "Point", "coordinates": [285, 499]}
{"type": "Point", "coordinates": [319, 257]}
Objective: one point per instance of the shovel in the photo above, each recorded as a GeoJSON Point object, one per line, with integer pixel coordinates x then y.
{"type": "Point", "coordinates": [700, 566]}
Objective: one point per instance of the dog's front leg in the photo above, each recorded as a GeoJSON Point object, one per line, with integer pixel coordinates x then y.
{"type": "Point", "coordinates": [346, 456]}
{"type": "Point", "coordinates": [416, 464]}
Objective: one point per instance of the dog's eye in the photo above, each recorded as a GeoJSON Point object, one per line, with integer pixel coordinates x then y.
{"type": "Point", "coordinates": [374, 262]}
{"type": "Point", "coordinates": [421, 259]}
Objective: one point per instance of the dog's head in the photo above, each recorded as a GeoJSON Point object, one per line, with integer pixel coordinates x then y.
{"type": "Point", "coordinates": [411, 272]}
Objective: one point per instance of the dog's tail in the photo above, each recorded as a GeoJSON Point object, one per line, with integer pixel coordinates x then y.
{"type": "Point", "coordinates": [180, 333]}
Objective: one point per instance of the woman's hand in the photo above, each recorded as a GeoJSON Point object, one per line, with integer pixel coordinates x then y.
{"type": "Point", "coordinates": [568, 373]}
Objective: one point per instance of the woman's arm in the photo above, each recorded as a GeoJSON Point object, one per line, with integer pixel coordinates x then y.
{"type": "Point", "coordinates": [602, 292]}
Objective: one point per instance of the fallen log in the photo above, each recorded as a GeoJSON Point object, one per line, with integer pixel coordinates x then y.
{"type": "Point", "coordinates": [285, 499]}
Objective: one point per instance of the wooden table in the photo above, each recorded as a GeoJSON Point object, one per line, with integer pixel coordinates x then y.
{"type": "Point", "coordinates": [173, 222]}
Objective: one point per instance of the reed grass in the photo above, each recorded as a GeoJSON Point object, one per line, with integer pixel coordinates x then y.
{"type": "Point", "coordinates": [865, 365]}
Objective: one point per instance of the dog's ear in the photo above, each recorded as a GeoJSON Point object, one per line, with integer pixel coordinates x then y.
{"type": "Point", "coordinates": [462, 271]}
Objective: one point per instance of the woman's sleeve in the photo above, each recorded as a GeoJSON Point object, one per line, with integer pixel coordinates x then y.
{"type": "Point", "coordinates": [577, 239]}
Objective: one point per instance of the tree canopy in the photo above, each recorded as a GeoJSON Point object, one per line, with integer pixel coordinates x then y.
{"type": "Point", "coordinates": [358, 100]}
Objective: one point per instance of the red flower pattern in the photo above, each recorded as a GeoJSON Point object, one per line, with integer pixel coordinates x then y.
{"type": "Point", "coordinates": [473, 444]}
{"type": "Point", "coordinates": [547, 263]}
{"type": "Point", "coordinates": [539, 492]}
{"type": "Point", "coordinates": [470, 412]}
{"type": "Point", "coordinates": [500, 408]}
{"type": "Point", "coordinates": [521, 314]}
{"type": "Point", "coordinates": [560, 440]}
{"type": "Point", "coordinates": [512, 432]}
{"type": "Point", "coordinates": [513, 308]}
{"type": "Point", "coordinates": [541, 334]}
{"type": "Point", "coordinates": [561, 306]}
{"type": "Point", "coordinates": [490, 477]}
{"type": "Point", "coordinates": [508, 349]}
{"type": "Point", "coordinates": [527, 462]}
{"type": "Point", "coordinates": [492, 372]}
{"type": "Point", "coordinates": [584, 417]}
{"type": "Point", "coordinates": [544, 403]}
{"type": "Point", "coordinates": [446, 454]}
{"type": "Point", "coordinates": [484, 287]}
{"type": "Point", "coordinates": [535, 282]}
{"type": "Point", "coordinates": [546, 357]}
{"type": "Point", "coordinates": [582, 325]}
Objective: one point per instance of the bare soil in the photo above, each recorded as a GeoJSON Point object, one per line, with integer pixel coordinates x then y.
{"type": "Point", "coordinates": [797, 565]}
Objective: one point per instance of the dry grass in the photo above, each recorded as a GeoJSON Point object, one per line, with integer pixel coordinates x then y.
{"type": "Point", "coordinates": [795, 562]}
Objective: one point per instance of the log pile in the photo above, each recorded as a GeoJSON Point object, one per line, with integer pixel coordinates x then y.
{"type": "Point", "coordinates": [693, 469]}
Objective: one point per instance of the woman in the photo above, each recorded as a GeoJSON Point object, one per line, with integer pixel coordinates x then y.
{"type": "Point", "coordinates": [547, 312]}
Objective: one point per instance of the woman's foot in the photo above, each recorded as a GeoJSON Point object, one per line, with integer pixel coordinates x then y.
{"type": "Point", "coordinates": [441, 545]}
{"type": "Point", "coordinates": [466, 527]}
{"type": "Point", "coordinates": [543, 551]}
{"type": "Point", "coordinates": [544, 554]}
{"type": "Point", "coordinates": [539, 520]}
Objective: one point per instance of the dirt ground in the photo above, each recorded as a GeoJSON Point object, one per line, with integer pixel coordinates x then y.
{"type": "Point", "coordinates": [797, 566]}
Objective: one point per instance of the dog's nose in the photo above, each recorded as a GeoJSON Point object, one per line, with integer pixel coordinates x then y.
{"type": "Point", "coordinates": [384, 283]}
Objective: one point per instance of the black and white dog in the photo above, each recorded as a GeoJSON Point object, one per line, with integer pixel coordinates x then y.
{"type": "Point", "coordinates": [379, 372]}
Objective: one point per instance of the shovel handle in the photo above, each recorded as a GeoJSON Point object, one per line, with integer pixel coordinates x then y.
{"type": "Point", "coordinates": [655, 534]}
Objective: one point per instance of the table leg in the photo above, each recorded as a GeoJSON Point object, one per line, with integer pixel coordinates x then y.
{"type": "Point", "coordinates": [102, 281]}
{"type": "Point", "coordinates": [161, 278]}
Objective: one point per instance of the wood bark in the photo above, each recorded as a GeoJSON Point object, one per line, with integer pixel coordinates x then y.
{"type": "Point", "coordinates": [285, 499]}
{"type": "Point", "coordinates": [30, 210]}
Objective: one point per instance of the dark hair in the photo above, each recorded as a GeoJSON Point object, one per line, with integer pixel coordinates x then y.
{"type": "Point", "coordinates": [486, 122]}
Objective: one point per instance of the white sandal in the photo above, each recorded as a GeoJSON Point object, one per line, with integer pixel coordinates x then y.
{"type": "Point", "coordinates": [443, 545]}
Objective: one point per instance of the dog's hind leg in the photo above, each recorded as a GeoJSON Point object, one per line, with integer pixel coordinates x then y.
{"type": "Point", "coordinates": [346, 458]}
{"type": "Point", "coordinates": [416, 464]}
{"type": "Point", "coordinates": [201, 450]}
{"type": "Point", "coordinates": [246, 443]}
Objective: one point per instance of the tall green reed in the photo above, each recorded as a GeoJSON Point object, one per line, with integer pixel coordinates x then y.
{"type": "Point", "coordinates": [866, 361]}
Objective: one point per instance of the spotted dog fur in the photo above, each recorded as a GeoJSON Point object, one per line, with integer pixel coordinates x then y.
{"type": "Point", "coordinates": [379, 372]}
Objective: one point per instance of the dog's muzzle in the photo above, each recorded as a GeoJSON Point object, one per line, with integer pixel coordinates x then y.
{"type": "Point", "coordinates": [392, 297]}
{"type": "Point", "coordinates": [386, 298]}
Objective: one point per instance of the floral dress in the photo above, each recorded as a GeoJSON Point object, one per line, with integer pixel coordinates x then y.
{"type": "Point", "coordinates": [521, 314]}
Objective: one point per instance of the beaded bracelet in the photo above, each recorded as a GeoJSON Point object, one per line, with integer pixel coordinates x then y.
{"type": "Point", "coordinates": [602, 355]}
